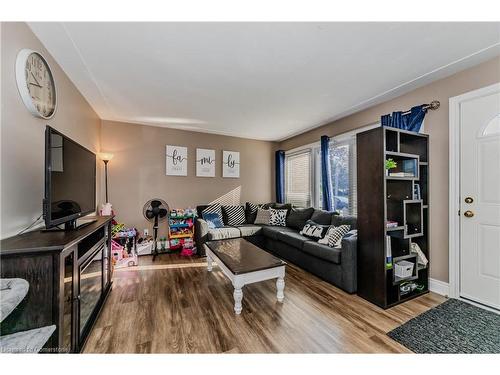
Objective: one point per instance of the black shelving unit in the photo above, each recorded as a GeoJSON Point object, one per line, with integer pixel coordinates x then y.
{"type": "Point", "coordinates": [384, 197]}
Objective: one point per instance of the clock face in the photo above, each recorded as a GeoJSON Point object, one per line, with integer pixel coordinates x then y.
{"type": "Point", "coordinates": [40, 85]}
{"type": "Point", "coordinates": [36, 84]}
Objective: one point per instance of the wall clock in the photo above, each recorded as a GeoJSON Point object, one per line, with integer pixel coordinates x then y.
{"type": "Point", "coordinates": [36, 83]}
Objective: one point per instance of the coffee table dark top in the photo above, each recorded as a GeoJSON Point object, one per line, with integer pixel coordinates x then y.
{"type": "Point", "coordinates": [241, 256]}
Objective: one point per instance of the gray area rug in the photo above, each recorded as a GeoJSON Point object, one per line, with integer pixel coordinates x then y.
{"type": "Point", "coordinates": [452, 327]}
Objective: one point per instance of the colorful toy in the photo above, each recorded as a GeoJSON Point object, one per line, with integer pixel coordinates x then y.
{"type": "Point", "coordinates": [187, 252]}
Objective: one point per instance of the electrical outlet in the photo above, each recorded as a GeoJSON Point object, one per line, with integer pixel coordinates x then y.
{"type": "Point", "coordinates": [146, 232]}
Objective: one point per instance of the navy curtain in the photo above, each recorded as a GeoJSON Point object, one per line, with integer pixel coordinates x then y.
{"type": "Point", "coordinates": [280, 176]}
{"type": "Point", "coordinates": [411, 121]}
{"type": "Point", "coordinates": [326, 181]}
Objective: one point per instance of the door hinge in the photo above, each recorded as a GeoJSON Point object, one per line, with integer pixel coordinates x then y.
{"type": "Point", "coordinates": [458, 212]}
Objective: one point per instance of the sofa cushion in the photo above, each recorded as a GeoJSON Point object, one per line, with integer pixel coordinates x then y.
{"type": "Point", "coordinates": [322, 217]}
{"type": "Point", "coordinates": [293, 238]}
{"type": "Point", "coordinates": [200, 208]}
{"type": "Point", "coordinates": [233, 215]}
{"type": "Point", "coordinates": [297, 217]}
{"type": "Point", "coordinates": [223, 233]}
{"type": "Point", "coordinates": [272, 232]}
{"type": "Point", "coordinates": [339, 220]}
{"type": "Point", "coordinates": [267, 206]}
{"type": "Point", "coordinates": [321, 251]}
{"type": "Point", "coordinates": [249, 230]}
{"type": "Point", "coordinates": [251, 212]}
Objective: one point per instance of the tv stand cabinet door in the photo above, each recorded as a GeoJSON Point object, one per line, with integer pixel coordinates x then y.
{"type": "Point", "coordinates": [68, 301]}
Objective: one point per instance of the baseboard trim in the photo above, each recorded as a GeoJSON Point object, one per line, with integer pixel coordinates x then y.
{"type": "Point", "coordinates": [439, 287]}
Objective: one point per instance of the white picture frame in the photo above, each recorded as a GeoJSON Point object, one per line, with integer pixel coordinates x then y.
{"type": "Point", "coordinates": [205, 162]}
{"type": "Point", "coordinates": [230, 164]}
{"type": "Point", "coordinates": [176, 160]}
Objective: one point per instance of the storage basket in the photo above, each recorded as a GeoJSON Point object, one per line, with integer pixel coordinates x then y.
{"type": "Point", "coordinates": [403, 269]}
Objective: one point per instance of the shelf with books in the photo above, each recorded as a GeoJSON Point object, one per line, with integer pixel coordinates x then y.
{"type": "Point", "coordinates": [393, 173]}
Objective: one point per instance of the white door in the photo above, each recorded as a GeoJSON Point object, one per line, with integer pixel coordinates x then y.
{"type": "Point", "coordinates": [480, 199]}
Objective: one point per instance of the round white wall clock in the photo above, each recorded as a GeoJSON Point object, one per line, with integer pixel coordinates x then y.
{"type": "Point", "coordinates": [36, 83]}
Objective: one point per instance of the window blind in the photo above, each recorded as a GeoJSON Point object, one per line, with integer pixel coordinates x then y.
{"type": "Point", "coordinates": [298, 179]}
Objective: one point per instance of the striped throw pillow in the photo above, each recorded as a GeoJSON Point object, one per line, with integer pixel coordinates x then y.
{"type": "Point", "coordinates": [233, 215]}
{"type": "Point", "coordinates": [251, 212]}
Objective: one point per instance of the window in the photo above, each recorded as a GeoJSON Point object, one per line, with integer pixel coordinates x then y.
{"type": "Point", "coordinates": [492, 128]}
{"type": "Point", "coordinates": [298, 167]}
{"type": "Point", "coordinates": [303, 174]}
{"type": "Point", "coordinates": [343, 174]}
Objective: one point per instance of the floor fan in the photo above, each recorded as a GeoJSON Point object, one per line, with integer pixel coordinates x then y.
{"type": "Point", "coordinates": [155, 211]}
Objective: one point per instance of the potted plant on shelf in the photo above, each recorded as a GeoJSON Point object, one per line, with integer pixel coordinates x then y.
{"type": "Point", "coordinates": [390, 164]}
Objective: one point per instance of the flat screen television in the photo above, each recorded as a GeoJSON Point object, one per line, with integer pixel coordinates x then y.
{"type": "Point", "coordinates": [70, 180]}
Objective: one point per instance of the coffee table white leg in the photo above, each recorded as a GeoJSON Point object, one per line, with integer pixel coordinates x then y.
{"type": "Point", "coordinates": [209, 263]}
{"type": "Point", "coordinates": [238, 297]}
{"type": "Point", "coordinates": [280, 286]}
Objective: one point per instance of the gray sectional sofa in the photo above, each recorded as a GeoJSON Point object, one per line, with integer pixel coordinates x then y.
{"type": "Point", "coordinates": [335, 265]}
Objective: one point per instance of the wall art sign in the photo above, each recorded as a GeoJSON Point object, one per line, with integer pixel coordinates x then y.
{"type": "Point", "coordinates": [230, 164]}
{"type": "Point", "coordinates": [205, 162]}
{"type": "Point", "coordinates": [176, 161]}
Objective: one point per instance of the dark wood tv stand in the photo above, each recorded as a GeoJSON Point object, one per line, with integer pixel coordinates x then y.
{"type": "Point", "coordinates": [69, 275]}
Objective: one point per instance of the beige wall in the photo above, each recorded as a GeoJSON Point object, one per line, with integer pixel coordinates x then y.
{"type": "Point", "coordinates": [436, 125]}
{"type": "Point", "coordinates": [22, 135]}
{"type": "Point", "coordinates": [137, 171]}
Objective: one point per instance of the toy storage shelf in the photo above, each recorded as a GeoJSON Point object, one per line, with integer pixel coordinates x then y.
{"type": "Point", "coordinates": [181, 230]}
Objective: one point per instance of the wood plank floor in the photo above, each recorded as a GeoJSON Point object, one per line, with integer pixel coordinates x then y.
{"type": "Point", "coordinates": [175, 305]}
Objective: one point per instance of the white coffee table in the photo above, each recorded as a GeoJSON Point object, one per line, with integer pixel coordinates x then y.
{"type": "Point", "coordinates": [244, 263]}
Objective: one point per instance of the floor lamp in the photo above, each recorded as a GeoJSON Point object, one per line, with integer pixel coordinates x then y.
{"type": "Point", "coordinates": [106, 157]}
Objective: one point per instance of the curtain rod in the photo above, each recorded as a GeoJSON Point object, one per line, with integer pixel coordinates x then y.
{"type": "Point", "coordinates": [435, 104]}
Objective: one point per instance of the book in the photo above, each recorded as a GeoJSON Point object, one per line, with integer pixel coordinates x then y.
{"type": "Point", "coordinates": [388, 253]}
{"type": "Point", "coordinates": [391, 224]}
{"type": "Point", "coordinates": [410, 167]}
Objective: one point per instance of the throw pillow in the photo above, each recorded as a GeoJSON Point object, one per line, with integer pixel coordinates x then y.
{"type": "Point", "coordinates": [233, 215]}
{"type": "Point", "coordinates": [314, 230]}
{"type": "Point", "coordinates": [333, 237]}
{"type": "Point", "coordinates": [263, 216]}
{"type": "Point", "coordinates": [282, 206]}
{"type": "Point", "coordinates": [267, 206]}
{"type": "Point", "coordinates": [213, 208]}
{"type": "Point", "coordinates": [297, 217]}
{"type": "Point", "coordinates": [278, 217]}
{"type": "Point", "coordinates": [322, 217]}
{"type": "Point", "coordinates": [251, 212]}
{"type": "Point", "coordinates": [213, 220]}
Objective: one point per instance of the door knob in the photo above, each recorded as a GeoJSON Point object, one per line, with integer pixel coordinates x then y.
{"type": "Point", "coordinates": [469, 200]}
{"type": "Point", "coordinates": [468, 213]}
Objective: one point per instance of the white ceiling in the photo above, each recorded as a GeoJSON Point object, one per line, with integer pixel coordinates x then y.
{"type": "Point", "coordinates": [257, 80]}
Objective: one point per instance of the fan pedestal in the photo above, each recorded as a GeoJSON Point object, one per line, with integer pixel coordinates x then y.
{"type": "Point", "coordinates": [155, 238]}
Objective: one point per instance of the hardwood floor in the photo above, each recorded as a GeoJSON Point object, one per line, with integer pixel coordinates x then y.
{"type": "Point", "coordinates": [175, 306]}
